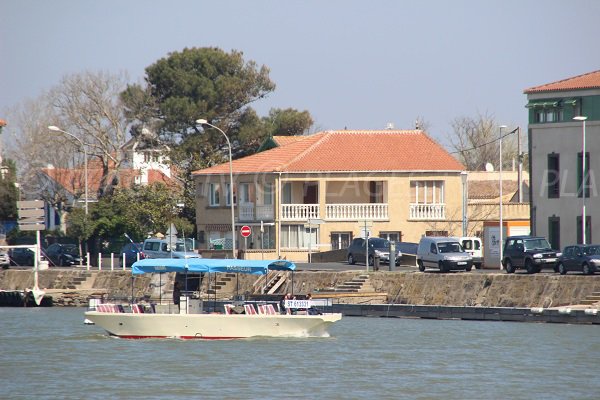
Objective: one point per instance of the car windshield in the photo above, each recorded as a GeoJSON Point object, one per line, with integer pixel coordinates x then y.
{"type": "Point", "coordinates": [379, 243]}
{"type": "Point", "coordinates": [537, 244]}
{"type": "Point", "coordinates": [450, 247]}
{"type": "Point", "coordinates": [72, 249]}
{"type": "Point", "coordinates": [591, 250]}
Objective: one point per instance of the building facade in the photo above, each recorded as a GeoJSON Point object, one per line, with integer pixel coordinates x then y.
{"type": "Point", "coordinates": [316, 193]}
{"type": "Point", "coordinates": [564, 148]}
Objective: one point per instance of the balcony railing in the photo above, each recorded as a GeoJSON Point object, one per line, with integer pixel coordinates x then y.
{"type": "Point", "coordinates": [299, 212]}
{"type": "Point", "coordinates": [353, 212]}
{"type": "Point", "coordinates": [265, 212]}
{"type": "Point", "coordinates": [248, 212]}
{"type": "Point", "coordinates": [427, 211]}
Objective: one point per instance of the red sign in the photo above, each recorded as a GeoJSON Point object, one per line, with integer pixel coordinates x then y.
{"type": "Point", "coordinates": [246, 231]}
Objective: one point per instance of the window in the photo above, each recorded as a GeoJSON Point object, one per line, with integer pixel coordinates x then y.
{"type": "Point", "coordinates": [553, 177]}
{"type": "Point", "coordinates": [268, 193]}
{"type": "Point", "coordinates": [554, 232]}
{"type": "Point", "coordinates": [228, 195]}
{"type": "Point", "coordinates": [213, 195]}
{"type": "Point", "coordinates": [299, 237]}
{"type": "Point", "coordinates": [588, 230]}
{"type": "Point", "coordinates": [287, 193]}
{"type": "Point", "coordinates": [580, 174]}
{"type": "Point", "coordinates": [427, 192]}
{"type": "Point", "coordinates": [436, 233]}
{"type": "Point", "coordinates": [340, 240]}
{"type": "Point", "coordinates": [244, 193]}
{"type": "Point", "coordinates": [549, 115]}
{"type": "Point", "coordinates": [391, 236]}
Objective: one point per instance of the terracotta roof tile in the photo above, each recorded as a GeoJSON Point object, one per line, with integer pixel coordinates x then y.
{"type": "Point", "coordinates": [73, 180]}
{"type": "Point", "coordinates": [348, 151]}
{"type": "Point", "coordinates": [590, 80]}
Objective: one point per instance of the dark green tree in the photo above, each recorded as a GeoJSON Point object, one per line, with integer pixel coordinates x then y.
{"type": "Point", "coordinates": [9, 193]}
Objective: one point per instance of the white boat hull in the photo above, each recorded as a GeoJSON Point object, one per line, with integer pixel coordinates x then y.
{"type": "Point", "coordinates": [211, 326]}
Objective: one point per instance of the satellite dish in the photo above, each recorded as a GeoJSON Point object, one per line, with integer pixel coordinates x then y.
{"type": "Point", "coordinates": [489, 167]}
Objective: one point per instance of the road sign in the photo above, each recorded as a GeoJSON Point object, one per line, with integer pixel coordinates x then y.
{"type": "Point", "coordinates": [246, 231]}
{"type": "Point", "coordinates": [31, 215]}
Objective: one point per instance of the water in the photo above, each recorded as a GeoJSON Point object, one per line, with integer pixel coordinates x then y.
{"type": "Point", "coordinates": [49, 354]}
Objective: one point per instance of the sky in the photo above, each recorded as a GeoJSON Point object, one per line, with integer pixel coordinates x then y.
{"type": "Point", "coordinates": [352, 64]}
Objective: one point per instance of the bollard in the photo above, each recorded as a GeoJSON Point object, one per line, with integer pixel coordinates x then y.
{"type": "Point", "coordinates": [376, 263]}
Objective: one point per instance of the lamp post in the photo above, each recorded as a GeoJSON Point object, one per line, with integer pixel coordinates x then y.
{"type": "Point", "coordinates": [463, 176]}
{"type": "Point", "coordinates": [205, 122]}
{"type": "Point", "coordinates": [500, 176]}
{"type": "Point", "coordinates": [583, 178]}
{"type": "Point", "coordinates": [85, 161]}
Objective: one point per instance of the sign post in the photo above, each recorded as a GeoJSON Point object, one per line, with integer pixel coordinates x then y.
{"type": "Point", "coordinates": [32, 217]}
{"type": "Point", "coordinates": [245, 231]}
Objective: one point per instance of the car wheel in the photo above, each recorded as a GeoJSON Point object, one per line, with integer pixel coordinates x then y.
{"type": "Point", "coordinates": [509, 266]}
{"type": "Point", "coordinates": [351, 259]}
{"type": "Point", "coordinates": [442, 267]}
{"type": "Point", "coordinates": [477, 266]}
{"type": "Point", "coordinates": [60, 262]}
{"type": "Point", "coordinates": [586, 269]}
{"type": "Point", "coordinates": [371, 260]}
{"type": "Point", "coordinates": [530, 267]}
{"type": "Point", "coordinates": [562, 269]}
{"type": "Point", "coordinates": [469, 268]}
{"type": "Point", "coordinates": [421, 266]}
{"type": "Point", "coordinates": [555, 268]}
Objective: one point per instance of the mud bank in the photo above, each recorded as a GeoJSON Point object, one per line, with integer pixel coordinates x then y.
{"type": "Point", "coordinates": [74, 287]}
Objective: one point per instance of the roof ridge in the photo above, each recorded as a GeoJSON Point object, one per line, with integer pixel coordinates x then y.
{"type": "Point", "coordinates": [305, 151]}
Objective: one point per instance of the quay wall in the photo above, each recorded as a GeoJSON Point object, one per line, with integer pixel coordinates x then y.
{"type": "Point", "coordinates": [74, 287]}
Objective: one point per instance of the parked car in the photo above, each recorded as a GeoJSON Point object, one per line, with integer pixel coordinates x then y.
{"type": "Point", "coordinates": [131, 252]}
{"type": "Point", "coordinates": [445, 253]}
{"type": "Point", "coordinates": [584, 258]}
{"type": "Point", "coordinates": [472, 245]}
{"type": "Point", "coordinates": [379, 247]}
{"type": "Point", "coordinates": [162, 248]}
{"type": "Point", "coordinates": [64, 255]}
{"type": "Point", "coordinates": [4, 259]}
{"type": "Point", "coordinates": [531, 253]}
{"type": "Point", "coordinates": [21, 256]}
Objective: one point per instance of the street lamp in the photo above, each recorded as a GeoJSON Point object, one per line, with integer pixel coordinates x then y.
{"type": "Point", "coordinates": [85, 161]}
{"type": "Point", "coordinates": [463, 176]}
{"type": "Point", "coordinates": [583, 178]}
{"type": "Point", "coordinates": [501, 233]}
{"type": "Point", "coordinates": [205, 122]}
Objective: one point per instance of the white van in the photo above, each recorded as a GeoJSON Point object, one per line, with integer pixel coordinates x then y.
{"type": "Point", "coordinates": [161, 248]}
{"type": "Point", "coordinates": [474, 247]}
{"type": "Point", "coordinates": [445, 253]}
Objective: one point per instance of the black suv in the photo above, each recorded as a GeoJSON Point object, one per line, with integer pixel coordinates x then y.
{"type": "Point", "coordinates": [531, 253]}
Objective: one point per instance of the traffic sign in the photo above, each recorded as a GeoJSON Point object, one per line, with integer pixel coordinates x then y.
{"type": "Point", "coordinates": [246, 231]}
{"type": "Point", "coordinates": [31, 215]}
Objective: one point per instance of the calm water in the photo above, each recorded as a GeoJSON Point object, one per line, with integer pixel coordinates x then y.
{"type": "Point", "coordinates": [50, 354]}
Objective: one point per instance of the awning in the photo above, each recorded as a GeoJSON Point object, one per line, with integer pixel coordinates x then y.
{"type": "Point", "coordinates": [160, 265]}
{"type": "Point", "coordinates": [543, 104]}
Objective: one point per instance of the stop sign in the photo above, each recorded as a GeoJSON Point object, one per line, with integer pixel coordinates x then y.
{"type": "Point", "coordinates": [245, 231]}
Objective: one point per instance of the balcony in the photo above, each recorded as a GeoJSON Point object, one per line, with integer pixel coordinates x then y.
{"type": "Point", "coordinates": [248, 212]}
{"type": "Point", "coordinates": [299, 212]}
{"type": "Point", "coordinates": [420, 211]}
{"type": "Point", "coordinates": [354, 212]}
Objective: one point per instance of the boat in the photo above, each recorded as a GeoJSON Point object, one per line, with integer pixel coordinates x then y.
{"type": "Point", "coordinates": [140, 322]}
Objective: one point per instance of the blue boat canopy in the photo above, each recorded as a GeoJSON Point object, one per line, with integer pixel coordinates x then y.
{"type": "Point", "coordinates": [150, 265]}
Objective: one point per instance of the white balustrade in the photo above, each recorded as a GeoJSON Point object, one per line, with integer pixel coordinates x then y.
{"type": "Point", "coordinates": [352, 212]}
{"type": "Point", "coordinates": [427, 211]}
{"type": "Point", "coordinates": [299, 212]}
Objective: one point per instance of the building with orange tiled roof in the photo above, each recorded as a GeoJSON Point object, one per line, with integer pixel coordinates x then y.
{"type": "Point", "coordinates": [564, 119]}
{"type": "Point", "coordinates": [401, 182]}
{"type": "Point", "coordinates": [140, 167]}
